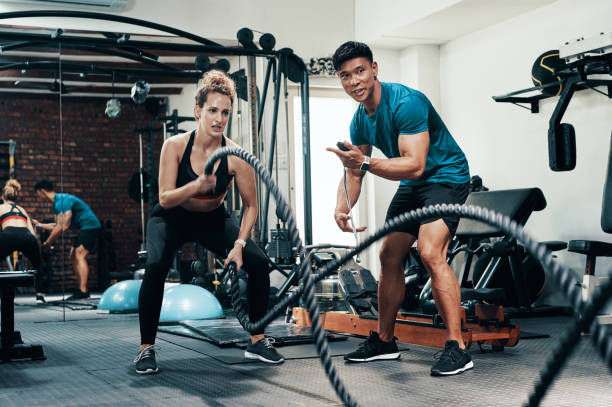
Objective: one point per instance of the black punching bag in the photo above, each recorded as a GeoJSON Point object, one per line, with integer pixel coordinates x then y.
{"type": "Point", "coordinates": [543, 72]}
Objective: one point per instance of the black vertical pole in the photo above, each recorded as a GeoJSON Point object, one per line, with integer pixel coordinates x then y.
{"type": "Point", "coordinates": [306, 158]}
{"type": "Point", "coordinates": [151, 169]}
{"type": "Point", "coordinates": [229, 198]}
{"type": "Point", "coordinates": [277, 85]}
{"type": "Point", "coordinates": [271, 63]}
{"type": "Point", "coordinates": [175, 122]}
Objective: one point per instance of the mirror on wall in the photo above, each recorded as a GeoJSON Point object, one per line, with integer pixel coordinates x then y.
{"type": "Point", "coordinates": [30, 148]}
{"type": "Point", "coordinates": [118, 107]}
{"type": "Point", "coordinates": [91, 117]}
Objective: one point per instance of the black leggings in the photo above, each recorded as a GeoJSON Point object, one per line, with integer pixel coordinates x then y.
{"type": "Point", "coordinates": [168, 230]}
{"type": "Point", "coordinates": [20, 239]}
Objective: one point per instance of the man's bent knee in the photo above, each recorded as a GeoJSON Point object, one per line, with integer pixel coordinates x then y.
{"type": "Point", "coordinates": [432, 257]}
{"type": "Point", "coordinates": [81, 252]}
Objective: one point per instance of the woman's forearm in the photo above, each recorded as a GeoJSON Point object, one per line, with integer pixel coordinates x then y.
{"type": "Point", "coordinates": [249, 216]}
{"type": "Point", "coordinates": [175, 197]}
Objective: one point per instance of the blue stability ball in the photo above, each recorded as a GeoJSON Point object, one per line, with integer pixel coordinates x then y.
{"type": "Point", "coordinates": [187, 301]}
{"type": "Point", "coordinates": [121, 297]}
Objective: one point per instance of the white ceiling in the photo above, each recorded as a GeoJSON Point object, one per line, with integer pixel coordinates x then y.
{"type": "Point", "coordinates": [453, 20]}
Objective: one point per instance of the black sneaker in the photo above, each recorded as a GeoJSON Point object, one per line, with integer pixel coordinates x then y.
{"type": "Point", "coordinates": [78, 295]}
{"type": "Point", "coordinates": [374, 349]}
{"type": "Point", "coordinates": [453, 360]}
{"type": "Point", "coordinates": [40, 300]}
{"type": "Point", "coordinates": [145, 361]}
{"type": "Point", "coordinates": [264, 351]}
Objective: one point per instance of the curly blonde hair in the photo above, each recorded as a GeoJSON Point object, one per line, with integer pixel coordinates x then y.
{"type": "Point", "coordinates": [11, 190]}
{"type": "Point", "coordinates": [215, 81]}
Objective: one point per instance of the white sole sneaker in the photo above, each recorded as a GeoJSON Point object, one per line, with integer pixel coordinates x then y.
{"type": "Point", "coordinates": [385, 356]}
{"type": "Point", "coordinates": [255, 356]}
{"type": "Point", "coordinates": [148, 371]}
{"type": "Point", "coordinates": [468, 366]}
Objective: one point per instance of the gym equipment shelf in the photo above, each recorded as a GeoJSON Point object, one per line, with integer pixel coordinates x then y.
{"type": "Point", "coordinates": [573, 77]}
{"type": "Point", "coordinates": [534, 100]}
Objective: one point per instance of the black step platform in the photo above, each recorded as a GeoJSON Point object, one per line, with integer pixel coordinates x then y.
{"type": "Point", "coordinates": [229, 332]}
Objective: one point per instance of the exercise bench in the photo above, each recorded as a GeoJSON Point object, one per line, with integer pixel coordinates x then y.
{"type": "Point", "coordinates": [12, 346]}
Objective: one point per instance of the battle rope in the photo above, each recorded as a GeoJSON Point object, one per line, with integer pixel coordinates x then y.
{"type": "Point", "coordinates": [586, 312]}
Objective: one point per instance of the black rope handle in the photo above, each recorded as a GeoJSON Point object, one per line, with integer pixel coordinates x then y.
{"type": "Point", "coordinates": [561, 276]}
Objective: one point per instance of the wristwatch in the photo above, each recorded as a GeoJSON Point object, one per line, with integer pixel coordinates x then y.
{"type": "Point", "coordinates": [365, 165]}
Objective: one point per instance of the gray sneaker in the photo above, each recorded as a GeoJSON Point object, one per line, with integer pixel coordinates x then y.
{"type": "Point", "coordinates": [145, 361]}
{"type": "Point", "coordinates": [264, 351]}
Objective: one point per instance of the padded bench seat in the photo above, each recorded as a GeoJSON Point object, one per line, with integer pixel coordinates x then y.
{"type": "Point", "coordinates": [591, 248]}
{"type": "Point", "coordinates": [17, 278]}
{"type": "Point", "coordinates": [554, 245]}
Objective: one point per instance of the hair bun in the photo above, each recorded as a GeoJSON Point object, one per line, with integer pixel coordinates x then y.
{"type": "Point", "coordinates": [13, 183]}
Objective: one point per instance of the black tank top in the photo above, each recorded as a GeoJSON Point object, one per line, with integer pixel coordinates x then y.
{"type": "Point", "coordinates": [186, 174]}
{"type": "Point", "coordinates": [13, 213]}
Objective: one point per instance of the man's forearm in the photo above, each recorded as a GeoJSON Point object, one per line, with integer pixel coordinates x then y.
{"type": "Point", "coordinates": [46, 226]}
{"type": "Point", "coordinates": [396, 169]}
{"type": "Point", "coordinates": [353, 183]}
{"type": "Point", "coordinates": [55, 232]}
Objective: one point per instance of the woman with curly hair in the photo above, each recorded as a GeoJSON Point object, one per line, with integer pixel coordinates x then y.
{"type": "Point", "coordinates": [191, 209]}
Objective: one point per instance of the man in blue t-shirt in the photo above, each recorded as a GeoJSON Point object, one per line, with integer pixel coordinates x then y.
{"type": "Point", "coordinates": [71, 211]}
{"type": "Point", "coordinates": [431, 168]}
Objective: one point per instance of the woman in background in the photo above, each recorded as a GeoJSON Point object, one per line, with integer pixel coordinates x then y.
{"type": "Point", "coordinates": [17, 231]}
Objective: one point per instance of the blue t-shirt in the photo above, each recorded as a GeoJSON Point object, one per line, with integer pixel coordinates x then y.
{"type": "Point", "coordinates": [82, 216]}
{"type": "Point", "coordinates": [403, 110]}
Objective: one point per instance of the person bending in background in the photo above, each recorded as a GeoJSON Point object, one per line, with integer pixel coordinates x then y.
{"type": "Point", "coordinates": [422, 154]}
{"type": "Point", "coordinates": [17, 231]}
{"type": "Point", "coordinates": [191, 209]}
{"type": "Point", "coordinates": [71, 211]}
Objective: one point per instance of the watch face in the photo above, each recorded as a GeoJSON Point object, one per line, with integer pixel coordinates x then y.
{"type": "Point", "coordinates": [365, 165]}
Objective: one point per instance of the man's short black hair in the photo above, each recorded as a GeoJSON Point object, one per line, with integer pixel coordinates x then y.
{"type": "Point", "coordinates": [350, 50]}
{"type": "Point", "coordinates": [43, 184]}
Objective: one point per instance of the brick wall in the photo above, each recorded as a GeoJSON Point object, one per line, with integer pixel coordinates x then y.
{"type": "Point", "coordinates": [95, 162]}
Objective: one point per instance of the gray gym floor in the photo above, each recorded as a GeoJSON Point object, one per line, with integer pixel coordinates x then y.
{"type": "Point", "coordinates": [89, 363]}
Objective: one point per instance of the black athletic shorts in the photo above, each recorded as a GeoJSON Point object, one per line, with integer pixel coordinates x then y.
{"type": "Point", "coordinates": [87, 238]}
{"type": "Point", "coordinates": [410, 197]}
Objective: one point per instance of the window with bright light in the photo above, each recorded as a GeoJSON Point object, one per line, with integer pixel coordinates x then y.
{"type": "Point", "coordinates": [330, 118]}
